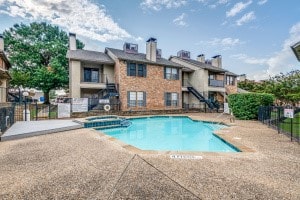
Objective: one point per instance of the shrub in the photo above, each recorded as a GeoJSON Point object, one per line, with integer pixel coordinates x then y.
{"type": "Point", "coordinates": [245, 106]}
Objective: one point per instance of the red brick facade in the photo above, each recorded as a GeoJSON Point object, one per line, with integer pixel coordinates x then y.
{"type": "Point", "coordinates": [153, 84]}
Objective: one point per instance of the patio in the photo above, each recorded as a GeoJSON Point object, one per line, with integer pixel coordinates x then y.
{"type": "Point", "coordinates": [82, 164]}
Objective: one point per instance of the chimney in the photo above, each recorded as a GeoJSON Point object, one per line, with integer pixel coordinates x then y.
{"type": "Point", "coordinates": [1, 43]}
{"type": "Point", "coordinates": [72, 41]}
{"type": "Point", "coordinates": [216, 61]}
{"type": "Point", "coordinates": [151, 49]}
{"type": "Point", "coordinates": [201, 58]}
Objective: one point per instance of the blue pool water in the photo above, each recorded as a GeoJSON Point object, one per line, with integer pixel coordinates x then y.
{"type": "Point", "coordinates": [171, 133]}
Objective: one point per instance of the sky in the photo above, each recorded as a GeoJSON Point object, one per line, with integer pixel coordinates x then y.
{"type": "Point", "coordinates": [253, 36]}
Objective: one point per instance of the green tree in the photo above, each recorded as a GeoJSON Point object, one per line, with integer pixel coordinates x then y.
{"type": "Point", "coordinates": [37, 53]}
{"type": "Point", "coordinates": [285, 87]}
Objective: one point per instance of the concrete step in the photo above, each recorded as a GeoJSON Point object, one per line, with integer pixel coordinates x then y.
{"type": "Point", "coordinates": [108, 127]}
{"type": "Point", "coordinates": [34, 128]}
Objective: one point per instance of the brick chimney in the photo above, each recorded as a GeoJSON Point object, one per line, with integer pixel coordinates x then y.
{"type": "Point", "coordinates": [216, 61]}
{"type": "Point", "coordinates": [201, 58]}
{"type": "Point", "coordinates": [72, 41]}
{"type": "Point", "coordinates": [151, 49]}
{"type": "Point", "coordinates": [1, 43]}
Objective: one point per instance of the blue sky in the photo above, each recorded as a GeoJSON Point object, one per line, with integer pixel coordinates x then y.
{"type": "Point", "coordinates": [253, 36]}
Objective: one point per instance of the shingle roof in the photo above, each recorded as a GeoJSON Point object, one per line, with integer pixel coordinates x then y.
{"type": "Point", "coordinates": [205, 66]}
{"type": "Point", "coordinates": [296, 49]}
{"type": "Point", "coordinates": [93, 56]}
{"type": "Point", "coordinates": [140, 57]}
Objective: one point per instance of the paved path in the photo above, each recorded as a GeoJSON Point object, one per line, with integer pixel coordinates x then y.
{"type": "Point", "coordinates": [82, 164]}
{"type": "Point", "coordinates": [33, 128]}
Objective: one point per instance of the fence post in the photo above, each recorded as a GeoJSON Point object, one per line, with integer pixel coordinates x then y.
{"type": "Point", "coordinates": [291, 129]}
{"type": "Point", "coordinates": [49, 111]}
{"type": "Point", "coordinates": [278, 120]}
{"type": "Point", "coordinates": [36, 111]}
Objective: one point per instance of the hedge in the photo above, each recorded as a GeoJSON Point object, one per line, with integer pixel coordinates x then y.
{"type": "Point", "coordinates": [245, 105]}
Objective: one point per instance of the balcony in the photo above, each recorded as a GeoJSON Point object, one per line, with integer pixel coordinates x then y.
{"type": "Point", "coordinates": [215, 83]}
{"type": "Point", "coordinates": [96, 81]}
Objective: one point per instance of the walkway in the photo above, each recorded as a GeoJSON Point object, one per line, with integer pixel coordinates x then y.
{"type": "Point", "coordinates": [25, 129]}
{"type": "Point", "coordinates": [82, 164]}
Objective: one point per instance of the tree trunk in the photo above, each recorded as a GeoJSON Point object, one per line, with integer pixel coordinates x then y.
{"type": "Point", "coordinates": [46, 97]}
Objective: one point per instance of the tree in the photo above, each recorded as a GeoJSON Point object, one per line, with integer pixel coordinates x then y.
{"type": "Point", "coordinates": [37, 53]}
{"type": "Point", "coordinates": [285, 87]}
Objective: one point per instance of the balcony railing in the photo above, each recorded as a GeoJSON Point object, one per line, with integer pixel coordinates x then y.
{"type": "Point", "coordinates": [100, 79]}
{"type": "Point", "coordinates": [215, 83]}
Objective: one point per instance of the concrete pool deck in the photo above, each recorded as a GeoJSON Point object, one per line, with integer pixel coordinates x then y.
{"type": "Point", "coordinates": [82, 164]}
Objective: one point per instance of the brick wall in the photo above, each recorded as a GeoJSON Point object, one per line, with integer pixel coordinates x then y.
{"type": "Point", "coordinates": [154, 85]}
{"type": "Point", "coordinates": [231, 89]}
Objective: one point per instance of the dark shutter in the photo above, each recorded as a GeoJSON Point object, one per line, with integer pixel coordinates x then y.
{"type": "Point", "coordinates": [128, 99]}
{"type": "Point", "coordinates": [165, 70]}
{"type": "Point", "coordinates": [128, 69]}
{"type": "Point", "coordinates": [145, 99]}
{"type": "Point", "coordinates": [145, 70]}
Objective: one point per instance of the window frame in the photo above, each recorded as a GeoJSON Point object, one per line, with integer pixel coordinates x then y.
{"type": "Point", "coordinates": [230, 80]}
{"type": "Point", "coordinates": [137, 101]}
{"type": "Point", "coordinates": [89, 71]}
{"type": "Point", "coordinates": [136, 69]}
{"type": "Point", "coordinates": [169, 73]}
{"type": "Point", "coordinates": [170, 101]}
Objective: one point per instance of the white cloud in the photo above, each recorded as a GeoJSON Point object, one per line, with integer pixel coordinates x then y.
{"type": "Point", "coordinates": [80, 16]}
{"type": "Point", "coordinates": [237, 8]}
{"type": "Point", "coordinates": [224, 43]}
{"type": "Point", "coordinates": [282, 61]}
{"type": "Point", "coordinates": [246, 18]}
{"type": "Point", "coordinates": [250, 60]}
{"type": "Point", "coordinates": [180, 20]}
{"type": "Point", "coordinates": [262, 2]}
{"type": "Point", "coordinates": [159, 4]}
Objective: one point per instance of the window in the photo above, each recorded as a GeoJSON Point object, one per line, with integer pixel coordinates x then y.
{"type": "Point", "coordinates": [136, 99]}
{"type": "Point", "coordinates": [230, 80]}
{"type": "Point", "coordinates": [212, 76]}
{"type": "Point", "coordinates": [171, 73]}
{"type": "Point", "coordinates": [91, 75]}
{"type": "Point", "coordinates": [171, 99]}
{"type": "Point", "coordinates": [134, 69]}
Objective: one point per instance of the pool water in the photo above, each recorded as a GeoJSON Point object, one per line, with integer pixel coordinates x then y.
{"type": "Point", "coordinates": [171, 134]}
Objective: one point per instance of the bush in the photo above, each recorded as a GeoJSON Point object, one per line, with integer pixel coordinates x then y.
{"type": "Point", "coordinates": [245, 106]}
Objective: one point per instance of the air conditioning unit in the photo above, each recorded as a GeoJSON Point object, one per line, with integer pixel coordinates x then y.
{"type": "Point", "coordinates": [130, 48]}
{"type": "Point", "coordinates": [158, 53]}
{"type": "Point", "coordinates": [184, 54]}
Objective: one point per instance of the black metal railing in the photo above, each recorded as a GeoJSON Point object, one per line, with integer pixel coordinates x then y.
{"type": "Point", "coordinates": [101, 78]}
{"type": "Point", "coordinates": [274, 117]}
{"type": "Point", "coordinates": [215, 83]}
{"type": "Point", "coordinates": [6, 118]}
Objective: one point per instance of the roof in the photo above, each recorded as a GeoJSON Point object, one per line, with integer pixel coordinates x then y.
{"type": "Point", "coordinates": [140, 57]}
{"type": "Point", "coordinates": [296, 49]}
{"type": "Point", "coordinates": [202, 65]}
{"type": "Point", "coordinates": [93, 56]}
{"type": "Point", "coordinates": [2, 55]}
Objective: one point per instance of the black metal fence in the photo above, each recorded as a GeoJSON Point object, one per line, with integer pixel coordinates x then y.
{"type": "Point", "coordinates": [26, 111]}
{"type": "Point", "coordinates": [274, 117]}
{"type": "Point", "coordinates": [6, 118]}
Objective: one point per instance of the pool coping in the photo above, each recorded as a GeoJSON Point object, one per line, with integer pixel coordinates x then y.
{"type": "Point", "coordinates": [218, 133]}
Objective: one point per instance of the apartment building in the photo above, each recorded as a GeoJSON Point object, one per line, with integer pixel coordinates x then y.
{"type": "Point", "coordinates": [138, 81]}
{"type": "Point", "coordinates": [204, 80]}
{"type": "Point", "coordinates": [4, 75]}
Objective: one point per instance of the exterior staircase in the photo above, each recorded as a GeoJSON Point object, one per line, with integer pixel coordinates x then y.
{"type": "Point", "coordinates": [201, 98]}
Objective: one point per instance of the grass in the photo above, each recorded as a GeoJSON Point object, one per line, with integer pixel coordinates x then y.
{"type": "Point", "coordinates": [286, 125]}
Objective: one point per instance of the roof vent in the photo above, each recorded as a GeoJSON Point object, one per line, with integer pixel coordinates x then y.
{"type": "Point", "coordinates": [130, 48]}
{"type": "Point", "coordinates": [184, 54]}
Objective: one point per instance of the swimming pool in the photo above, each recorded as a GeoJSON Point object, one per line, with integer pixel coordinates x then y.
{"type": "Point", "coordinates": [171, 134]}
